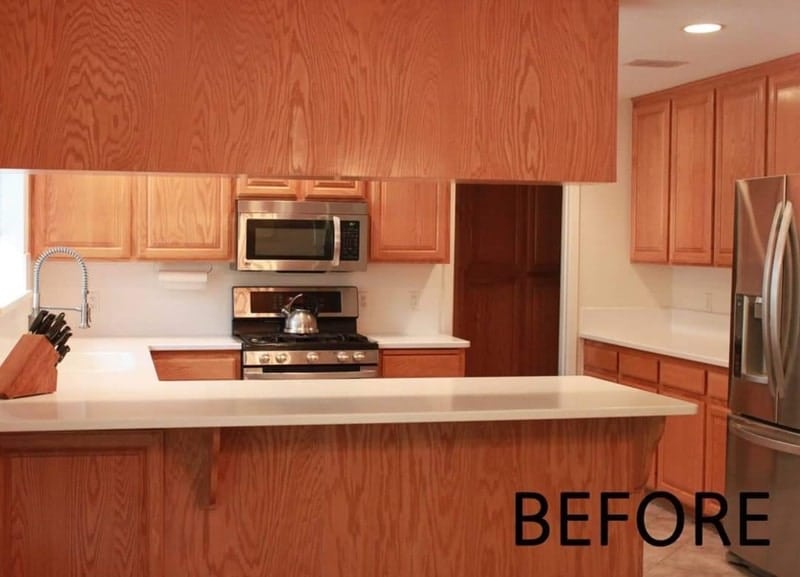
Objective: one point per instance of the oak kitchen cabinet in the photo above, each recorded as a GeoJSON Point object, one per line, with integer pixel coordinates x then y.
{"type": "Point", "coordinates": [147, 217]}
{"type": "Point", "coordinates": [323, 190]}
{"type": "Point", "coordinates": [198, 365]}
{"type": "Point", "coordinates": [409, 221]}
{"type": "Point", "coordinates": [719, 129]}
{"type": "Point", "coordinates": [409, 363]}
{"type": "Point", "coordinates": [88, 503]}
{"type": "Point", "coordinates": [358, 89]}
{"type": "Point", "coordinates": [691, 454]}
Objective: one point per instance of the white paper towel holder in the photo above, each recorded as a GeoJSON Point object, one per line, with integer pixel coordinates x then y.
{"type": "Point", "coordinates": [183, 277]}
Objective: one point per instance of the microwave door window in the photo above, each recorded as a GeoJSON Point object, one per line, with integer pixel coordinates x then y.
{"type": "Point", "coordinates": [275, 239]}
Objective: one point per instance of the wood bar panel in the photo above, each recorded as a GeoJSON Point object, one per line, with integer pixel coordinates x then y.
{"type": "Point", "coordinates": [402, 88]}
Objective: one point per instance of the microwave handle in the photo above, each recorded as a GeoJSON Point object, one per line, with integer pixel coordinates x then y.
{"type": "Point", "coordinates": [337, 240]}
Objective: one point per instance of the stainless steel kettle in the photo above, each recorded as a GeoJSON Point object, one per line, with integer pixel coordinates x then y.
{"type": "Point", "coordinates": [300, 320]}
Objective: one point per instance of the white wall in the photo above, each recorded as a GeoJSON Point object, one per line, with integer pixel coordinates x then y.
{"type": "Point", "coordinates": [130, 301]}
{"type": "Point", "coordinates": [606, 276]}
{"type": "Point", "coordinates": [702, 289]}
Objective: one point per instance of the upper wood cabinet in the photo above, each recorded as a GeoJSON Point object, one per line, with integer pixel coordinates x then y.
{"type": "Point", "coordinates": [692, 179]}
{"type": "Point", "coordinates": [523, 91]}
{"type": "Point", "coordinates": [783, 148]}
{"type": "Point", "coordinates": [409, 221]}
{"type": "Point", "coordinates": [125, 216]}
{"type": "Point", "coordinates": [90, 213]}
{"type": "Point", "coordinates": [323, 190]}
{"type": "Point", "coordinates": [650, 182]}
{"type": "Point", "coordinates": [741, 134]}
{"type": "Point", "coordinates": [184, 217]}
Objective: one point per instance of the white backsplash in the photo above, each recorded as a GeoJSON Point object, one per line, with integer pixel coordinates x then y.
{"type": "Point", "coordinates": [703, 289]}
{"type": "Point", "coordinates": [130, 301]}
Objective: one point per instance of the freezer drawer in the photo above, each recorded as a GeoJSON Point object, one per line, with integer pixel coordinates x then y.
{"type": "Point", "coordinates": [762, 458]}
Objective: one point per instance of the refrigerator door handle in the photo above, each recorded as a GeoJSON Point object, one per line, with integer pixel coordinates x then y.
{"type": "Point", "coordinates": [792, 326]}
{"type": "Point", "coordinates": [776, 344]}
{"type": "Point", "coordinates": [752, 433]}
{"type": "Point", "coordinates": [766, 289]}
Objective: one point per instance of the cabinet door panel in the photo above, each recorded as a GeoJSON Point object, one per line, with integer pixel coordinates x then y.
{"type": "Point", "coordinates": [197, 365]}
{"type": "Point", "coordinates": [680, 454]}
{"type": "Point", "coordinates": [88, 504]}
{"type": "Point", "coordinates": [410, 221]}
{"type": "Point", "coordinates": [184, 217]}
{"type": "Point", "coordinates": [741, 124]}
{"type": "Point", "coordinates": [265, 187]}
{"type": "Point", "coordinates": [692, 179]}
{"type": "Point", "coordinates": [90, 213]}
{"type": "Point", "coordinates": [422, 363]}
{"type": "Point", "coordinates": [784, 123]}
{"type": "Point", "coordinates": [650, 182]}
{"type": "Point", "coordinates": [716, 450]}
{"type": "Point", "coordinates": [352, 190]}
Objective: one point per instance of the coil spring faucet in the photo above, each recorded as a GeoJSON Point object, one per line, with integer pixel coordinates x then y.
{"type": "Point", "coordinates": [84, 306]}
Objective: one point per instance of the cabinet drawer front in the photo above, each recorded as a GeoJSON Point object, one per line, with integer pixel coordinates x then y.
{"type": "Point", "coordinates": [718, 386]}
{"type": "Point", "coordinates": [435, 363]}
{"type": "Point", "coordinates": [684, 377]}
{"type": "Point", "coordinates": [640, 367]}
{"type": "Point", "coordinates": [600, 357]}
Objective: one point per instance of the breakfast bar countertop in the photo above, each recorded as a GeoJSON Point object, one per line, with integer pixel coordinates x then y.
{"type": "Point", "coordinates": [107, 384]}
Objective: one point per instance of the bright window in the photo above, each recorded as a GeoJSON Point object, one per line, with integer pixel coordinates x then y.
{"type": "Point", "coordinates": [13, 261]}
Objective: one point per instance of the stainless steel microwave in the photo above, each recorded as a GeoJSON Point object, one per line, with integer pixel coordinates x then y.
{"type": "Point", "coordinates": [283, 235]}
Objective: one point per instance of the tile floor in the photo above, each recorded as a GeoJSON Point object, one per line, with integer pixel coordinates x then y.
{"type": "Point", "coordinates": [684, 558]}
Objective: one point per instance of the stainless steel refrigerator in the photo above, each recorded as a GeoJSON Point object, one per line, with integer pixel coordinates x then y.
{"type": "Point", "coordinates": [764, 425]}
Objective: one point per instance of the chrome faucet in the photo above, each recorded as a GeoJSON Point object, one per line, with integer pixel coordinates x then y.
{"type": "Point", "coordinates": [84, 306]}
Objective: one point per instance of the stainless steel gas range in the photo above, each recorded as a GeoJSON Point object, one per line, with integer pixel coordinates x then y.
{"type": "Point", "coordinates": [324, 345]}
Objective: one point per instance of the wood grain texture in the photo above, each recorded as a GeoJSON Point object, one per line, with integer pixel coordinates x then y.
{"type": "Point", "coordinates": [783, 129]}
{"type": "Point", "coordinates": [681, 453]}
{"type": "Point", "coordinates": [396, 500]}
{"type": "Point", "coordinates": [197, 365]}
{"type": "Point", "coordinates": [90, 213]}
{"type": "Point", "coordinates": [691, 192]}
{"type": "Point", "coordinates": [642, 367]}
{"type": "Point", "coordinates": [349, 190]}
{"type": "Point", "coordinates": [740, 149]}
{"type": "Point", "coordinates": [29, 369]}
{"type": "Point", "coordinates": [265, 187]}
{"type": "Point", "coordinates": [409, 221]}
{"type": "Point", "coordinates": [682, 375]}
{"type": "Point", "coordinates": [650, 184]}
{"type": "Point", "coordinates": [403, 88]}
{"type": "Point", "coordinates": [184, 218]}
{"type": "Point", "coordinates": [422, 363]}
{"type": "Point", "coordinates": [718, 381]}
{"type": "Point", "coordinates": [601, 357]}
{"type": "Point", "coordinates": [88, 504]}
{"type": "Point", "coordinates": [716, 450]}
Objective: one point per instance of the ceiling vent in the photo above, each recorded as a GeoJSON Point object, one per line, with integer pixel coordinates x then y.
{"type": "Point", "coordinates": [646, 63]}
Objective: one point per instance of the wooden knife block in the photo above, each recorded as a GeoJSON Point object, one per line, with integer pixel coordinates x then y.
{"type": "Point", "coordinates": [29, 369]}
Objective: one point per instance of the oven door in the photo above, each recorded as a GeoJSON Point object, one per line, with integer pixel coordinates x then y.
{"type": "Point", "coordinates": [276, 242]}
{"type": "Point", "coordinates": [318, 372]}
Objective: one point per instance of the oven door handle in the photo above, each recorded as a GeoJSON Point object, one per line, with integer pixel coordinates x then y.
{"type": "Point", "coordinates": [256, 373]}
{"type": "Point", "coordinates": [337, 241]}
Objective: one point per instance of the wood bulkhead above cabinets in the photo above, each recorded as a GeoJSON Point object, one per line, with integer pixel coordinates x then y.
{"type": "Point", "coordinates": [690, 145]}
{"type": "Point", "coordinates": [436, 89]}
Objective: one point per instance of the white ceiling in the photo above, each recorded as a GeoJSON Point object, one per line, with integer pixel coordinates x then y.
{"type": "Point", "coordinates": [755, 31]}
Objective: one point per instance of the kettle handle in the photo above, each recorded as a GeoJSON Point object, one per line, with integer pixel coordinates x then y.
{"type": "Point", "coordinates": [287, 308]}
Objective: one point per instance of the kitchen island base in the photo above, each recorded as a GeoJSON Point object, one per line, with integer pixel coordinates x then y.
{"type": "Point", "coordinates": [396, 500]}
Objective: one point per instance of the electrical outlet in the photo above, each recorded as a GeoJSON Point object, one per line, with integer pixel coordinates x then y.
{"type": "Point", "coordinates": [91, 299]}
{"type": "Point", "coordinates": [413, 300]}
{"type": "Point", "coordinates": [362, 299]}
{"type": "Point", "coordinates": [709, 302]}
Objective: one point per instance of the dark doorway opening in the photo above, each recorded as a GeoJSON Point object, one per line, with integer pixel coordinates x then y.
{"type": "Point", "coordinates": [508, 277]}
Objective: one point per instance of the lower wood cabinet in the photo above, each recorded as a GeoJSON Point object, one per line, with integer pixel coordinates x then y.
{"type": "Point", "coordinates": [422, 363]}
{"type": "Point", "coordinates": [88, 504]}
{"type": "Point", "coordinates": [691, 454]}
{"type": "Point", "coordinates": [197, 365]}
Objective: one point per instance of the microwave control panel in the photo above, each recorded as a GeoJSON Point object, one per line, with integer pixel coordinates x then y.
{"type": "Point", "coordinates": [351, 232]}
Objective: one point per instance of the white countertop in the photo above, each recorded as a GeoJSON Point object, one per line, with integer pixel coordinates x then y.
{"type": "Point", "coordinates": [419, 342]}
{"type": "Point", "coordinates": [112, 384]}
{"type": "Point", "coordinates": [690, 335]}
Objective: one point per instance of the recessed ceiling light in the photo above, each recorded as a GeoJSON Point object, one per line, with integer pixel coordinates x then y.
{"type": "Point", "coordinates": [706, 28]}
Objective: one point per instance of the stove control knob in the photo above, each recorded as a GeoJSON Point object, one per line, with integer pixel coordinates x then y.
{"type": "Point", "coordinates": [281, 357]}
{"type": "Point", "coordinates": [312, 357]}
{"type": "Point", "coordinates": [358, 356]}
{"type": "Point", "coordinates": [342, 357]}
{"type": "Point", "coordinates": [264, 358]}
